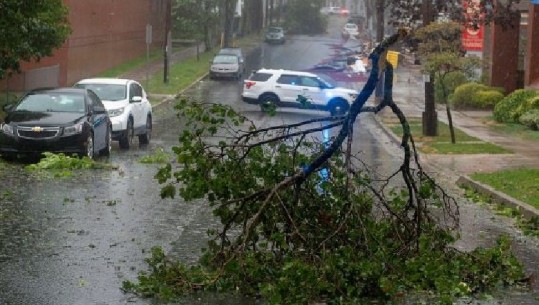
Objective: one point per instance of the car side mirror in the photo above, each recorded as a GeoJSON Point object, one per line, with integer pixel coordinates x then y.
{"type": "Point", "coordinates": [136, 99]}
{"type": "Point", "coordinates": [8, 107]}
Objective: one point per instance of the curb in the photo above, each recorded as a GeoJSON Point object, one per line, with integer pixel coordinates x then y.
{"type": "Point", "coordinates": [173, 97]}
{"type": "Point", "coordinates": [525, 209]}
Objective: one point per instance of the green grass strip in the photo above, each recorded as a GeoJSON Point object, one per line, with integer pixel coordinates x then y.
{"type": "Point", "coordinates": [518, 183]}
{"type": "Point", "coordinates": [441, 144]}
{"type": "Point", "coordinates": [444, 134]}
{"type": "Point", "coordinates": [181, 75]}
{"type": "Point", "coordinates": [463, 148]}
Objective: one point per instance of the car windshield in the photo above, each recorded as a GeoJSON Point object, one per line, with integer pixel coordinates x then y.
{"type": "Point", "coordinates": [107, 92]}
{"type": "Point", "coordinates": [236, 52]}
{"type": "Point", "coordinates": [327, 83]}
{"type": "Point", "coordinates": [225, 59]}
{"type": "Point", "coordinates": [52, 102]}
{"type": "Point", "coordinates": [274, 30]}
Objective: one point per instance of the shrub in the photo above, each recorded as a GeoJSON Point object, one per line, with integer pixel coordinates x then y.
{"type": "Point", "coordinates": [531, 103]}
{"type": "Point", "coordinates": [476, 96]}
{"type": "Point", "coordinates": [487, 99]}
{"type": "Point", "coordinates": [508, 110]}
{"type": "Point", "coordinates": [530, 119]}
{"type": "Point", "coordinates": [451, 82]}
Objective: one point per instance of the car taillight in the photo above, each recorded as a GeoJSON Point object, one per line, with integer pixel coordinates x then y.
{"type": "Point", "coordinates": [249, 84]}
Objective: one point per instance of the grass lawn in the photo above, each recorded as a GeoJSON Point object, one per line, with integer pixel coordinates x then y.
{"type": "Point", "coordinates": [521, 184]}
{"type": "Point", "coordinates": [462, 148]}
{"type": "Point", "coordinates": [182, 74]}
{"type": "Point", "coordinates": [513, 129]}
{"type": "Point", "coordinates": [441, 144]}
{"type": "Point", "coordinates": [133, 64]}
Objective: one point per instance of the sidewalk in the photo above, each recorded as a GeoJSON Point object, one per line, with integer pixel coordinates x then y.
{"type": "Point", "coordinates": [408, 93]}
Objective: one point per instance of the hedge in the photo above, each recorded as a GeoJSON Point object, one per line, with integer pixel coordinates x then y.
{"type": "Point", "coordinates": [511, 107]}
{"type": "Point", "coordinates": [530, 119]}
{"type": "Point", "coordinates": [476, 96]}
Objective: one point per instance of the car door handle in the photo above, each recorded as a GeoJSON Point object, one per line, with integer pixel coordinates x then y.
{"type": "Point", "coordinates": [277, 86]}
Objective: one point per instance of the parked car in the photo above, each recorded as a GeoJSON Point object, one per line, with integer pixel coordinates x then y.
{"type": "Point", "coordinates": [333, 10]}
{"type": "Point", "coordinates": [234, 51]}
{"type": "Point", "coordinates": [61, 120]}
{"type": "Point", "coordinates": [350, 30]}
{"type": "Point", "coordinates": [355, 18]}
{"type": "Point", "coordinates": [282, 88]}
{"type": "Point", "coordinates": [344, 11]}
{"type": "Point", "coordinates": [331, 66]}
{"type": "Point", "coordinates": [275, 34]}
{"type": "Point", "coordinates": [128, 108]}
{"type": "Point", "coordinates": [226, 66]}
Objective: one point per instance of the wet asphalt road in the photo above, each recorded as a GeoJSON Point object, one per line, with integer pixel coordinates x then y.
{"type": "Point", "coordinates": [74, 240]}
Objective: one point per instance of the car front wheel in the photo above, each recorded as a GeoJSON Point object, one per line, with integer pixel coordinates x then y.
{"type": "Point", "coordinates": [145, 138]}
{"type": "Point", "coordinates": [127, 140]}
{"type": "Point", "coordinates": [89, 146]}
{"type": "Point", "coordinates": [108, 144]}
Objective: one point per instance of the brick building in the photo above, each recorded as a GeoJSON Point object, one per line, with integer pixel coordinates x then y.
{"type": "Point", "coordinates": [105, 33]}
{"type": "Point", "coordinates": [512, 53]}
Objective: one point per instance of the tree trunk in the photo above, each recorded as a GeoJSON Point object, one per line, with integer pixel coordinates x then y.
{"type": "Point", "coordinates": [271, 3]}
{"type": "Point", "coordinates": [228, 23]}
{"type": "Point", "coordinates": [450, 121]}
{"type": "Point", "coordinates": [441, 79]}
{"type": "Point", "coordinates": [380, 22]}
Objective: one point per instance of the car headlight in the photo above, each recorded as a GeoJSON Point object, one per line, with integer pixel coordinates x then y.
{"type": "Point", "coordinates": [71, 130]}
{"type": "Point", "coordinates": [6, 128]}
{"type": "Point", "coordinates": [116, 112]}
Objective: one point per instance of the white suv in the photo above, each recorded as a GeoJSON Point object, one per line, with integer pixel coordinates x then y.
{"type": "Point", "coordinates": [127, 104]}
{"type": "Point", "coordinates": [282, 88]}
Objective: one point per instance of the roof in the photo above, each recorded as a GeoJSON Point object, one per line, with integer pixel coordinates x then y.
{"type": "Point", "coordinates": [58, 90]}
{"type": "Point", "coordinates": [282, 71]}
{"type": "Point", "coordinates": [105, 80]}
{"type": "Point", "coordinates": [233, 51]}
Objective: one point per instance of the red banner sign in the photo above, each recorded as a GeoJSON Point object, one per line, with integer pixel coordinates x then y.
{"type": "Point", "coordinates": [472, 34]}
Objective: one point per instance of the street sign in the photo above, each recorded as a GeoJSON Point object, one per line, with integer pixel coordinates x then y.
{"type": "Point", "coordinates": [148, 34]}
{"type": "Point", "coordinates": [393, 58]}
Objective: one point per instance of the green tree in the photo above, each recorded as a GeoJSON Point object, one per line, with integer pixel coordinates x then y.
{"type": "Point", "coordinates": [30, 30]}
{"type": "Point", "coordinates": [304, 17]}
{"type": "Point", "coordinates": [442, 52]}
{"type": "Point", "coordinates": [196, 19]}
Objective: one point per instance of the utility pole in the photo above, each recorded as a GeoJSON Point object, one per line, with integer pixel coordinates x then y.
{"type": "Point", "coordinates": [167, 40]}
{"type": "Point", "coordinates": [380, 30]}
{"type": "Point", "coordinates": [430, 116]}
{"type": "Point", "coordinates": [380, 22]}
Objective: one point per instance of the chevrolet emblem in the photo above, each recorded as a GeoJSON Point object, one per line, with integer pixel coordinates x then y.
{"type": "Point", "coordinates": [37, 129]}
